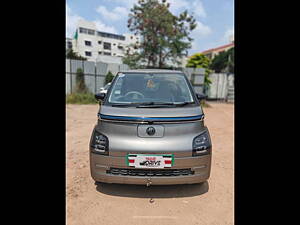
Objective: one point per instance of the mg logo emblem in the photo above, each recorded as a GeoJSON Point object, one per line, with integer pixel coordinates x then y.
{"type": "Point", "coordinates": [150, 131]}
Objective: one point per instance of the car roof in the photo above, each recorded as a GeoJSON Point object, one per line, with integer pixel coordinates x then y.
{"type": "Point", "coordinates": [151, 71]}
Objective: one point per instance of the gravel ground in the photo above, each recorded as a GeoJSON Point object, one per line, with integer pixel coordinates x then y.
{"type": "Point", "coordinates": [210, 203]}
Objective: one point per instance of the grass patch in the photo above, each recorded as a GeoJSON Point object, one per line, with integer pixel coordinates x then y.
{"type": "Point", "coordinates": [81, 98]}
{"type": "Point", "coordinates": [204, 104]}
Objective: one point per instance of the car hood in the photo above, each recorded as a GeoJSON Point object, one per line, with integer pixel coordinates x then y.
{"type": "Point", "coordinates": [173, 135]}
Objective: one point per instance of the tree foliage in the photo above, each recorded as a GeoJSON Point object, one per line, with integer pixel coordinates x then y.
{"type": "Point", "coordinates": [109, 77]}
{"type": "Point", "coordinates": [70, 54]}
{"type": "Point", "coordinates": [223, 62]}
{"type": "Point", "coordinates": [133, 60]}
{"type": "Point", "coordinates": [199, 60]}
{"type": "Point", "coordinates": [80, 84]}
{"type": "Point", "coordinates": [164, 35]}
{"type": "Point", "coordinates": [230, 62]}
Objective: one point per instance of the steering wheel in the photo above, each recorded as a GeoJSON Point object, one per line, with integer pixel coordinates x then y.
{"type": "Point", "coordinates": [135, 93]}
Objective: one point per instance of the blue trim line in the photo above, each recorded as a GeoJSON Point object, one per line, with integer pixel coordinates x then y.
{"type": "Point", "coordinates": [102, 116]}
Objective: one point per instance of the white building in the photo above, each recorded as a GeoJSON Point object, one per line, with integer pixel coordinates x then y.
{"type": "Point", "coordinates": [96, 45]}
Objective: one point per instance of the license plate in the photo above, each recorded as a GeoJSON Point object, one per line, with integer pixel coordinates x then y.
{"type": "Point", "coordinates": [150, 161]}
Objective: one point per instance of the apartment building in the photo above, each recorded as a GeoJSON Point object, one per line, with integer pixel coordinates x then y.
{"type": "Point", "coordinates": [97, 45]}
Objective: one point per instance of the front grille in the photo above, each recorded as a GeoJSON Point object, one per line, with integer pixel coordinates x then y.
{"type": "Point", "coordinates": [150, 172]}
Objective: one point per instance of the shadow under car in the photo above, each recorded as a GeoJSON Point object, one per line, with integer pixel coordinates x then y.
{"type": "Point", "coordinates": [155, 191]}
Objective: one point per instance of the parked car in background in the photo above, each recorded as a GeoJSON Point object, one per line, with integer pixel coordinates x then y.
{"type": "Point", "coordinates": [105, 88]}
{"type": "Point", "coordinates": [150, 131]}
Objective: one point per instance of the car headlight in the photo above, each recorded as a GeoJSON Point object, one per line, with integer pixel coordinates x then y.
{"type": "Point", "coordinates": [99, 143]}
{"type": "Point", "coordinates": [201, 144]}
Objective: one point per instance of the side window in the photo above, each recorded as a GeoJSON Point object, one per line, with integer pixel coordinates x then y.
{"type": "Point", "coordinates": [117, 87]}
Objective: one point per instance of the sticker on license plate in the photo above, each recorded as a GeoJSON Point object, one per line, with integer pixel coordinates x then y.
{"type": "Point", "coordinates": [150, 161]}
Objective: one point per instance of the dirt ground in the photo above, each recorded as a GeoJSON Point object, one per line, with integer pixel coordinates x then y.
{"type": "Point", "coordinates": [210, 203]}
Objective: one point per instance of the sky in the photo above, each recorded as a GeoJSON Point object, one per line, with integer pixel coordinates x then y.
{"type": "Point", "coordinates": [215, 18]}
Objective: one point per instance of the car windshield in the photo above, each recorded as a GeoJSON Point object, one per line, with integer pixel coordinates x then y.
{"type": "Point", "coordinates": [151, 89]}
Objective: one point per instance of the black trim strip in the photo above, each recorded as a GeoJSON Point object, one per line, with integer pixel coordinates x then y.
{"type": "Point", "coordinates": [151, 119]}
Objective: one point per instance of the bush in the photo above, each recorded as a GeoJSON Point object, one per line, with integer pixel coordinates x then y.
{"type": "Point", "coordinates": [204, 104]}
{"type": "Point", "coordinates": [109, 77]}
{"type": "Point", "coordinates": [80, 84]}
{"type": "Point", "coordinates": [81, 98]}
{"type": "Point", "coordinates": [70, 54]}
{"type": "Point", "coordinates": [199, 60]}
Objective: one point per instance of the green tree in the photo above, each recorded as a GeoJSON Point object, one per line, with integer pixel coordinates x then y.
{"type": "Point", "coordinates": [218, 63]}
{"type": "Point", "coordinates": [199, 60]}
{"type": "Point", "coordinates": [132, 60]}
{"type": "Point", "coordinates": [164, 35]}
{"type": "Point", "coordinates": [109, 77]}
{"type": "Point", "coordinates": [80, 84]}
{"type": "Point", "coordinates": [223, 62]}
{"type": "Point", "coordinates": [70, 54]}
{"type": "Point", "coordinates": [230, 61]}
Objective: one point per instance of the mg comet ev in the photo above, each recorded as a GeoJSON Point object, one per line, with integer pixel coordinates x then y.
{"type": "Point", "coordinates": [150, 131]}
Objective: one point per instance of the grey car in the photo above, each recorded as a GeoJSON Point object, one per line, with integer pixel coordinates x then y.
{"type": "Point", "coordinates": [150, 131]}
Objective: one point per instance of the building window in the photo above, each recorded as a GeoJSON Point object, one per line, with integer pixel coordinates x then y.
{"type": "Point", "coordinates": [99, 42]}
{"type": "Point", "coordinates": [120, 47]}
{"type": "Point", "coordinates": [114, 44]}
{"type": "Point", "coordinates": [91, 32]}
{"type": "Point", "coordinates": [108, 35]}
{"type": "Point", "coordinates": [88, 53]}
{"type": "Point", "coordinates": [88, 43]}
{"type": "Point", "coordinates": [86, 31]}
{"type": "Point", "coordinates": [69, 44]}
{"type": "Point", "coordinates": [107, 53]}
{"type": "Point", "coordinates": [107, 45]}
{"type": "Point", "coordinates": [82, 30]}
{"type": "Point", "coordinates": [100, 53]}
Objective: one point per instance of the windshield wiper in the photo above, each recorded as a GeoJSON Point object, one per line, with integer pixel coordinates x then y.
{"type": "Point", "coordinates": [152, 104]}
{"type": "Point", "coordinates": [184, 103]}
{"type": "Point", "coordinates": [123, 105]}
{"type": "Point", "coordinates": [156, 103]}
{"type": "Point", "coordinates": [161, 104]}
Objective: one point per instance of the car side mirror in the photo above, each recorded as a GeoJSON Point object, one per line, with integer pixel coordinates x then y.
{"type": "Point", "coordinates": [201, 97]}
{"type": "Point", "coordinates": [100, 96]}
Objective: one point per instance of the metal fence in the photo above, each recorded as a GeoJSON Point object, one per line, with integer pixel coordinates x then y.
{"type": "Point", "coordinates": [222, 87]}
{"type": "Point", "coordinates": [94, 74]}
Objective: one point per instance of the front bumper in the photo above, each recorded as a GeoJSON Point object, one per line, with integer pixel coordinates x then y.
{"type": "Point", "coordinates": [100, 164]}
